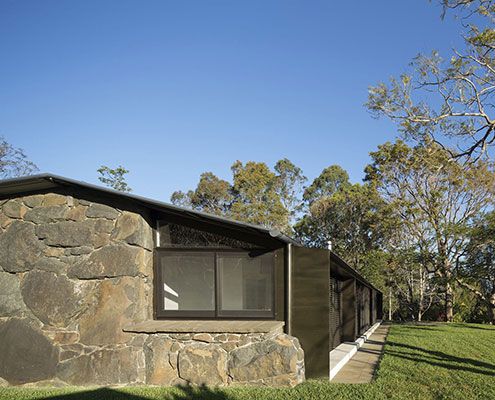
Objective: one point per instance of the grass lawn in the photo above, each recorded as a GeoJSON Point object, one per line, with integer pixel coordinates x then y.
{"type": "Point", "coordinates": [437, 361]}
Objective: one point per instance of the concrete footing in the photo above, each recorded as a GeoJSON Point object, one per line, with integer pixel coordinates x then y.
{"type": "Point", "coordinates": [341, 355]}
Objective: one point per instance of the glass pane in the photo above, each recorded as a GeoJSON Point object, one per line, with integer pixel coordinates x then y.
{"type": "Point", "coordinates": [188, 281]}
{"type": "Point", "coordinates": [174, 235]}
{"type": "Point", "coordinates": [246, 282]}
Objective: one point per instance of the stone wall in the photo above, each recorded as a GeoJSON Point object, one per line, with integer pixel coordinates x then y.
{"type": "Point", "coordinates": [73, 273]}
{"type": "Point", "coordinates": [273, 359]}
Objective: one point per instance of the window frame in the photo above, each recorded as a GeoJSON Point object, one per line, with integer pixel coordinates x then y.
{"type": "Point", "coordinates": [161, 313]}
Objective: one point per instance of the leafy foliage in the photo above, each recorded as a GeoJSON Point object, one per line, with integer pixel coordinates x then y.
{"type": "Point", "coordinates": [13, 161]}
{"type": "Point", "coordinates": [476, 271]}
{"type": "Point", "coordinates": [256, 195]}
{"type": "Point", "coordinates": [436, 199]}
{"type": "Point", "coordinates": [345, 214]}
{"type": "Point", "coordinates": [212, 195]}
{"type": "Point", "coordinates": [114, 178]}
{"type": "Point", "coordinates": [448, 100]}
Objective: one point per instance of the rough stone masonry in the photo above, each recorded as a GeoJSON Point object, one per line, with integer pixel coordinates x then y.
{"type": "Point", "coordinates": [73, 273]}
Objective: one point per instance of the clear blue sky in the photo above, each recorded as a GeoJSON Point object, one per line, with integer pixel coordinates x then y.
{"type": "Point", "coordinates": [172, 89]}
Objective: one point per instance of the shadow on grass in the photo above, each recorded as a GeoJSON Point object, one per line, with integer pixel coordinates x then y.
{"type": "Point", "coordinates": [179, 393]}
{"type": "Point", "coordinates": [440, 359]}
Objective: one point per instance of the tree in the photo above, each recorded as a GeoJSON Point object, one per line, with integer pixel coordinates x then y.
{"type": "Point", "coordinates": [412, 283]}
{"type": "Point", "coordinates": [351, 216]}
{"type": "Point", "coordinates": [212, 195]}
{"type": "Point", "coordinates": [256, 199]}
{"type": "Point", "coordinates": [448, 100]}
{"type": "Point", "coordinates": [348, 218]}
{"type": "Point", "coordinates": [13, 161]}
{"type": "Point", "coordinates": [437, 200]}
{"type": "Point", "coordinates": [256, 195]}
{"type": "Point", "coordinates": [181, 199]}
{"type": "Point", "coordinates": [476, 272]}
{"type": "Point", "coordinates": [331, 179]}
{"type": "Point", "coordinates": [289, 185]}
{"type": "Point", "coordinates": [114, 178]}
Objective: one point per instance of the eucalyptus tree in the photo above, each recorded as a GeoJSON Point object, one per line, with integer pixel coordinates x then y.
{"type": "Point", "coordinates": [436, 198]}
{"type": "Point", "coordinates": [351, 216]}
{"type": "Point", "coordinates": [256, 194]}
{"type": "Point", "coordinates": [476, 271]}
{"type": "Point", "coordinates": [289, 186]}
{"type": "Point", "coordinates": [212, 195]}
{"type": "Point", "coordinates": [14, 162]}
{"type": "Point", "coordinates": [256, 199]}
{"type": "Point", "coordinates": [114, 178]}
{"type": "Point", "coordinates": [448, 100]}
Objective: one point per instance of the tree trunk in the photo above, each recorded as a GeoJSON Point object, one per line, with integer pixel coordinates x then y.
{"type": "Point", "coordinates": [421, 296]}
{"type": "Point", "coordinates": [449, 303]}
{"type": "Point", "coordinates": [449, 293]}
{"type": "Point", "coordinates": [491, 309]}
{"type": "Point", "coordinates": [390, 304]}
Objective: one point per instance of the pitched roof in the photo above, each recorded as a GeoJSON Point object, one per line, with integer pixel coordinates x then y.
{"type": "Point", "coordinates": [46, 181]}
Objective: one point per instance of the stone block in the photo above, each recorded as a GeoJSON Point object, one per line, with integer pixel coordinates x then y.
{"type": "Point", "coordinates": [33, 201]}
{"type": "Point", "coordinates": [11, 302]}
{"type": "Point", "coordinates": [133, 229]}
{"type": "Point", "coordinates": [77, 213]}
{"type": "Point", "coordinates": [161, 362]}
{"type": "Point", "coordinates": [42, 215]}
{"type": "Point", "coordinates": [102, 367]}
{"type": "Point", "coordinates": [54, 199]}
{"type": "Point", "coordinates": [66, 233]}
{"type": "Point", "coordinates": [50, 264]}
{"type": "Point", "coordinates": [203, 337]}
{"type": "Point", "coordinates": [14, 209]}
{"type": "Point", "coordinates": [118, 302]}
{"type": "Point", "coordinates": [53, 252]}
{"type": "Point", "coordinates": [51, 297]}
{"type": "Point", "coordinates": [203, 364]}
{"type": "Point", "coordinates": [269, 359]}
{"type": "Point", "coordinates": [19, 247]}
{"type": "Point", "coordinates": [26, 354]}
{"type": "Point", "coordinates": [96, 210]}
{"type": "Point", "coordinates": [5, 221]}
{"type": "Point", "coordinates": [109, 261]}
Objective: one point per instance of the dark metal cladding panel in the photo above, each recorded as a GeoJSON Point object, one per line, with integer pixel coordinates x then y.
{"type": "Point", "coordinates": [335, 313]}
{"type": "Point", "coordinates": [348, 312]}
{"type": "Point", "coordinates": [363, 316]}
{"type": "Point", "coordinates": [280, 285]}
{"type": "Point", "coordinates": [374, 302]}
{"type": "Point", "coordinates": [359, 307]}
{"type": "Point", "coordinates": [379, 305]}
{"type": "Point", "coordinates": [366, 309]}
{"type": "Point", "coordinates": [310, 307]}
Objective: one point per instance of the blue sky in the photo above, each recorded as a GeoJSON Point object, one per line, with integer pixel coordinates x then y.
{"type": "Point", "coordinates": [173, 89]}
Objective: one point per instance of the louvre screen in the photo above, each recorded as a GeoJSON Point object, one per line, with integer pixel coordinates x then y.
{"type": "Point", "coordinates": [363, 308]}
{"type": "Point", "coordinates": [335, 313]}
{"type": "Point", "coordinates": [374, 302]}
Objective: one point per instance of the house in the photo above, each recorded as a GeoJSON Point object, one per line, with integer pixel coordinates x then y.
{"type": "Point", "coordinates": [103, 287]}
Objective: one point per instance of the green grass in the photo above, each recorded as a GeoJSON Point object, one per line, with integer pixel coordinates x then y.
{"type": "Point", "coordinates": [437, 361]}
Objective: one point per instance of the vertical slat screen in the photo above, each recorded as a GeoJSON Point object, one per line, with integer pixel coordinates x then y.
{"type": "Point", "coordinates": [335, 313]}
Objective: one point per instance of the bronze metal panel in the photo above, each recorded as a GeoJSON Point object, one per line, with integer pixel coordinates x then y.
{"type": "Point", "coordinates": [379, 305]}
{"type": "Point", "coordinates": [310, 307]}
{"type": "Point", "coordinates": [335, 328]}
{"type": "Point", "coordinates": [349, 321]}
{"type": "Point", "coordinates": [280, 284]}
